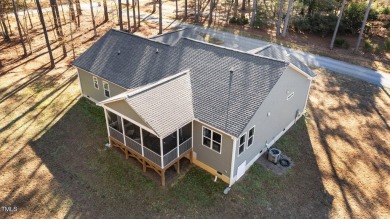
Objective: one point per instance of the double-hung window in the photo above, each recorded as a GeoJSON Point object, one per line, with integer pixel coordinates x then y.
{"type": "Point", "coordinates": [212, 139]}
{"type": "Point", "coordinates": [106, 89]}
{"type": "Point", "coordinates": [242, 144]}
{"type": "Point", "coordinates": [251, 136]}
{"type": "Point", "coordinates": [95, 83]}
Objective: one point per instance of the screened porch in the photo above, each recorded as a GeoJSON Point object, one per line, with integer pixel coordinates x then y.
{"type": "Point", "coordinates": [162, 152]}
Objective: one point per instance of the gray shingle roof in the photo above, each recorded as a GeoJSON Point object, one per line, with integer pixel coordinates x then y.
{"type": "Point", "coordinates": [173, 37]}
{"type": "Point", "coordinates": [223, 103]}
{"type": "Point", "coordinates": [283, 54]}
{"type": "Point", "coordinates": [166, 106]}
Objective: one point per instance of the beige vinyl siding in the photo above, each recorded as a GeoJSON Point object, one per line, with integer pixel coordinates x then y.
{"type": "Point", "coordinates": [89, 90]}
{"type": "Point", "coordinates": [122, 107]}
{"type": "Point", "coordinates": [282, 112]}
{"type": "Point", "coordinates": [218, 161]}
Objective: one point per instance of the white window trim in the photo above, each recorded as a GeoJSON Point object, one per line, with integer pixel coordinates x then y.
{"type": "Point", "coordinates": [239, 145]}
{"type": "Point", "coordinates": [97, 83]}
{"type": "Point", "coordinates": [211, 140]}
{"type": "Point", "coordinates": [108, 89]}
{"type": "Point", "coordinates": [290, 95]}
{"type": "Point", "coordinates": [253, 136]}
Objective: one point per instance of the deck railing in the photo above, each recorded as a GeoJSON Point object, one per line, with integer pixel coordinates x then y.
{"type": "Point", "coordinates": [185, 146]}
{"type": "Point", "coordinates": [134, 145]}
{"type": "Point", "coordinates": [116, 134]}
{"type": "Point", "coordinates": [170, 156]}
{"type": "Point", "coordinates": [152, 156]}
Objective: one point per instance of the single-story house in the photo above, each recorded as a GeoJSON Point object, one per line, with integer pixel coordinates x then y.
{"type": "Point", "coordinates": [169, 99]}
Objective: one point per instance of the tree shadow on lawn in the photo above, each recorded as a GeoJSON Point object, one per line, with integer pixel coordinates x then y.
{"type": "Point", "coordinates": [100, 182]}
{"type": "Point", "coordinates": [350, 130]}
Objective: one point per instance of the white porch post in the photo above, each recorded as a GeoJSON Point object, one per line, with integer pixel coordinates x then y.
{"type": "Point", "coordinates": [161, 153]}
{"type": "Point", "coordinates": [107, 125]}
{"type": "Point", "coordinates": [123, 131]}
{"type": "Point", "coordinates": [177, 142]}
{"type": "Point", "coordinates": [142, 141]}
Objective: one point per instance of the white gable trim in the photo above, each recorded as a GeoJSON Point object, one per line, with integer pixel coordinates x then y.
{"type": "Point", "coordinates": [136, 91]}
{"type": "Point", "coordinates": [256, 50]}
{"type": "Point", "coordinates": [301, 72]}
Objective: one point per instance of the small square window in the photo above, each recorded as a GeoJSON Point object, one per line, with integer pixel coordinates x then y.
{"type": "Point", "coordinates": [106, 88]}
{"type": "Point", "coordinates": [250, 141]}
{"type": "Point", "coordinates": [207, 132]}
{"type": "Point", "coordinates": [217, 147]}
{"type": "Point", "coordinates": [212, 139]}
{"type": "Point", "coordinates": [251, 132]}
{"type": "Point", "coordinates": [95, 83]}
{"type": "Point", "coordinates": [206, 142]}
{"type": "Point", "coordinates": [217, 137]}
{"type": "Point", "coordinates": [241, 149]}
{"type": "Point", "coordinates": [242, 140]}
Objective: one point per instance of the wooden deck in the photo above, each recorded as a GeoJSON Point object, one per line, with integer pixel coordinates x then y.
{"type": "Point", "coordinates": [146, 163]}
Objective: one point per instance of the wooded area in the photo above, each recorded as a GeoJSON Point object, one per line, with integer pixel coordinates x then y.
{"type": "Point", "coordinates": [359, 19]}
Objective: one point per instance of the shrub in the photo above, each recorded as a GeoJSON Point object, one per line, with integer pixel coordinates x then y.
{"type": "Point", "coordinates": [233, 20]}
{"type": "Point", "coordinates": [240, 21]}
{"type": "Point", "coordinates": [318, 23]}
{"type": "Point", "coordinates": [368, 46]}
{"type": "Point", "coordinates": [385, 10]}
{"type": "Point", "coordinates": [260, 19]}
{"type": "Point", "coordinates": [353, 16]}
{"type": "Point", "coordinates": [341, 43]}
{"type": "Point", "coordinates": [387, 45]}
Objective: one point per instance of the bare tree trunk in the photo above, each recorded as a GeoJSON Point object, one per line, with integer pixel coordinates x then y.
{"type": "Point", "coordinates": [63, 14]}
{"type": "Point", "coordinates": [20, 32]}
{"type": "Point", "coordinates": [363, 26]}
{"type": "Point", "coordinates": [160, 17]}
{"type": "Point", "coordinates": [56, 17]}
{"type": "Point", "coordinates": [45, 32]}
{"type": "Point", "coordinates": [28, 14]}
{"type": "Point", "coordinates": [105, 11]}
{"type": "Point", "coordinates": [195, 11]}
{"type": "Point", "coordinates": [254, 11]}
{"type": "Point", "coordinates": [78, 8]}
{"type": "Point", "coordinates": [185, 9]}
{"type": "Point", "coordinates": [120, 14]}
{"type": "Point", "coordinates": [236, 2]}
{"type": "Point", "coordinates": [93, 19]}
{"type": "Point", "coordinates": [154, 6]}
{"type": "Point", "coordinates": [63, 40]}
{"type": "Point", "coordinates": [211, 11]}
{"type": "Point", "coordinates": [289, 9]}
{"type": "Point", "coordinates": [243, 5]}
{"type": "Point", "coordinates": [177, 8]}
{"type": "Point", "coordinates": [139, 14]}
{"type": "Point", "coordinates": [4, 26]}
{"type": "Point", "coordinates": [134, 17]}
{"type": "Point", "coordinates": [26, 29]}
{"type": "Point", "coordinates": [70, 28]}
{"type": "Point", "coordinates": [280, 17]}
{"type": "Point", "coordinates": [128, 16]}
{"type": "Point", "coordinates": [71, 10]}
{"type": "Point", "coordinates": [337, 25]}
{"type": "Point", "coordinates": [9, 25]}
